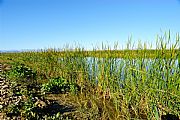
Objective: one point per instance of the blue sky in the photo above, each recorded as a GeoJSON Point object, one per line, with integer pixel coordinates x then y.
{"type": "Point", "coordinates": [37, 24]}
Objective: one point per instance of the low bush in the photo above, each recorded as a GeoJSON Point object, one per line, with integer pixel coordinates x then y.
{"type": "Point", "coordinates": [20, 71]}
{"type": "Point", "coordinates": [60, 85]}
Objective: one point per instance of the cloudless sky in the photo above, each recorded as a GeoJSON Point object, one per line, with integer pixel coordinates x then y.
{"type": "Point", "coordinates": [36, 24]}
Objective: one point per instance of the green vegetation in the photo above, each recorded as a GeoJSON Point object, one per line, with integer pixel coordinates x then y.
{"type": "Point", "coordinates": [104, 84]}
{"type": "Point", "coordinates": [57, 85]}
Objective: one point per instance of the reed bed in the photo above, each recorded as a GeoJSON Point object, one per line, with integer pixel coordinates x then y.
{"type": "Point", "coordinates": [124, 84]}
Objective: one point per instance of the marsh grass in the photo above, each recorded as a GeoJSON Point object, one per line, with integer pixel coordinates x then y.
{"type": "Point", "coordinates": [125, 84]}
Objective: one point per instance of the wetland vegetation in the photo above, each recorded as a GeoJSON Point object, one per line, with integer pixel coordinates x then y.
{"type": "Point", "coordinates": [99, 84]}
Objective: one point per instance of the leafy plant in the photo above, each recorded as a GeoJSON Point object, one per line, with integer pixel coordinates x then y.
{"type": "Point", "coordinates": [60, 85]}
{"type": "Point", "coordinates": [20, 71]}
